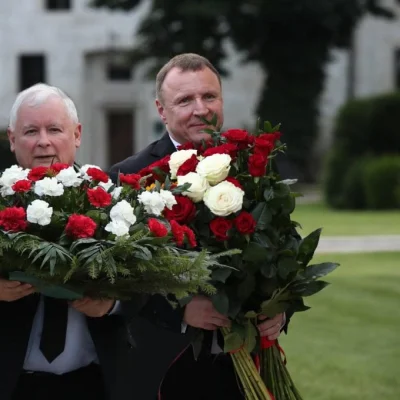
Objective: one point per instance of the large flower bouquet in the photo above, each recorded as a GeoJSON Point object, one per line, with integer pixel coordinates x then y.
{"type": "Point", "coordinates": [71, 232]}
{"type": "Point", "coordinates": [236, 199]}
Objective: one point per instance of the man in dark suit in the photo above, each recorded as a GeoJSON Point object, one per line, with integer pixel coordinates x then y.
{"type": "Point", "coordinates": [51, 349]}
{"type": "Point", "coordinates": [189, 87]}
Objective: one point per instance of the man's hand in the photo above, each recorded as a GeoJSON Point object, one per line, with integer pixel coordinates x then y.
{"type": "Point", "coordinates": [92, 307]}
{"type": "Point", "coordinates": [271, 328]}
{"type": "Point", "coordinates": [14, 290]}
{"type": "Point", "coordinates": [200, 313]}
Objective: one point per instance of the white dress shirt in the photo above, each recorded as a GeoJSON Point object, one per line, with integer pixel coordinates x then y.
{"type": "Point", "coordinates": [79, 348]}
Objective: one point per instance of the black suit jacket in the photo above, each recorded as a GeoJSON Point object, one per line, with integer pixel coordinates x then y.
{"type": "Point", "coordinates": [155, 329]}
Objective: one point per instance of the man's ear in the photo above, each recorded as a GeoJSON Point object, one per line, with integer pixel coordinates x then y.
{"type": "Point", "coordinates": [77, 135]}
{"type": "Point", "coordinates": [11, 138]}
{"type": "Point", "coordinates": [161, 111]}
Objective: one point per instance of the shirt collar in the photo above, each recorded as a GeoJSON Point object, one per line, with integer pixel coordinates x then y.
{"type": "Point", "coordinates": [174, 142]}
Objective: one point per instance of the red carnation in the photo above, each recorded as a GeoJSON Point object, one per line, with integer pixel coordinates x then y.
{"type": "Point", "coordinates": [190, 236]}
{"type": "Point", "coordinates": [131, 180]}
{"type": "Point", "coordinates": [220, 227]}
{"type": "Point", "coordinates": [57, 167]}
{"type": "Point", "coordinates": [226, 148]}
{"type": "Point", "coordinates": [183, 211]}
{"type": "Point", "coordinates": [162, 164]}
{"type": "Point", "coordinates": [13, 219]}
{"type": "Point", "coordinates": [38, 173]}
{"type": "Point", "coordinates": [80, 226]}
{"type": "Point", "coordinates": [186, 146]}
{"type": "Point", "coordinates": [157, 228]}
{"type": "Point", "coordinates": [257, 164]}
{"type": "Point", "coordinates": [99, 197]}
{"type": "Point", "coordinates": [188, 166]}
{"type": "Point", "coordinates": [234, 181]}
{"type": "Point", "coordinates": [22, 186]}
{"type": "Point", "coordinates": [245, 223]}
{"type": "Point", "coordinates": [177, 232]}
{"type": "Point", "coordinates": [97, 175]}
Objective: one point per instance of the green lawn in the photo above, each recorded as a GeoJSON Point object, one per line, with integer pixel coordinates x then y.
{"type": "Point", "coordinates": [333, 222]}
{"type": "Point", "coordinates": [347, 347]}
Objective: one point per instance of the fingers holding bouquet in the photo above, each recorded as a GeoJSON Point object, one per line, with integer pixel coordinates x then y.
{"type": "Point", "coordinates": [200, 313]}
{"type": "Point", "coordinates": [271, 328]}
{"type": "Point", "coordinates": [14, 290]}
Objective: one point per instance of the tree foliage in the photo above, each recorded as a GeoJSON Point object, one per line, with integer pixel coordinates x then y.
{"type": "Point", "coordinates": [290, 39]}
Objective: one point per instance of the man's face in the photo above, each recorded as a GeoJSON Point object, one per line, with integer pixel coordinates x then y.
{"type": "Point", "coordinates": [44, 135]}
{"type": "Point", "coordinates": [186, 96]}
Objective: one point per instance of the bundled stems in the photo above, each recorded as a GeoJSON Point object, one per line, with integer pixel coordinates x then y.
{"type": "Point", "coordinates": [246, 370]}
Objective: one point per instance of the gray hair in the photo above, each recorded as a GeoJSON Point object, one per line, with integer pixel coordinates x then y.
{"type": "Point", "coordinates": [37, 95]}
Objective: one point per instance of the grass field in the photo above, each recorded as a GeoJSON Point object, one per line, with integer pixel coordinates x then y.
{"type": "Point", "coordinates": [347, 347]}
{"type": "Point", "coordinates": [333, 222]}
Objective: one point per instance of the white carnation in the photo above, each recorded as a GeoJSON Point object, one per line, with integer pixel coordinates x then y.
{"type": "Point", "coordinates": [153, 202]}
{"type": "Point", "coordinates": [117, 227]}
{"type": "Point", "coordinates": [69, 177]}
{"type": "Point", "coordinates": [9, 177]}
{"type": "Point", "coordinates": [116, 192]}
{"type": "Point", "coordinates": [39, 212]}
{"type": "Point", "coordinates": [169, 198]}
{"type": "Point", "coordinates": [177, 159]}
{"type": "Point", "coordinates": [49, 187]}
{"type": "Point", "coordinates": [124, 212]}
{"type": "Point", "coordinates": [214, 168]}
{"type": "Point", "coordinates": [106, 186]}
{"type": "Point", "coordinates": [224, 199]}
{"type": "Point", "coordinates": [84, 169]}
{"type": "Point", "coordinates": [198, 186]}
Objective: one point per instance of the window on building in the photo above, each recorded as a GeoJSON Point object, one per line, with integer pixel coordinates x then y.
{"type": "Point", "coordinates": [58, 4]}
{"type": "Point", "coordinates": [397, 68]}
{"type": "Point", "coordinates": [119, 72]}
{"type": "Point", "coordinates": [32, 69]}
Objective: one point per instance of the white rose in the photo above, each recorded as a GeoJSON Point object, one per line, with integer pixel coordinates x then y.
{"type": "Point", "coordinates": [169, 198]}
{"type": "Point", "coordinates": [49, 187]}
{"type": "Point", "coordinates": [69, 177]}
{"type": "Point", "coordinates": [152, 201]}
{"type": "Point", "coordinates": [39, 212]}
{"type": "Point", "coordinates": [224, 199]}
{"type": "Point", "coordinates": [178, 158]}
{"type": "Point", "coordinates": [214, 168]}
{"type": "Point", "coordinates": [117, 227]}
{"type": "Point", "coordinates": [198, 186]}
{"type": "Point", "coordinates": [124, 212]}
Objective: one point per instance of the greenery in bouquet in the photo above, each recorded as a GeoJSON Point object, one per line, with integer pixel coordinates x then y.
{"type": "Point", "coordinates": [72, 227]}
{"type": "Point", "coordinates": [235, 199]}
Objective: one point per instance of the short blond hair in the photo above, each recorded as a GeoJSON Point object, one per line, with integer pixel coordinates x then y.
{"type": "Point", "coordinates": [185, 62]}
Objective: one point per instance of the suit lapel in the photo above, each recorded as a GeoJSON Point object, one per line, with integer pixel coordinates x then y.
{"type": "Point", "coordinates": [163, 147]}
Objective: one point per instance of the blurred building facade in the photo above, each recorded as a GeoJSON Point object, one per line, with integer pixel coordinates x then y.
{"type": "Point", "coordinates": [80, 49]}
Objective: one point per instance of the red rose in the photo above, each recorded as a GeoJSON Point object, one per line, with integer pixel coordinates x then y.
{"type": "Point", "coordinates": [97, 175]}
{"type": "Point", "coordinates": [99, 197]}
{"type": "Point", "coordinates": [131, 179]}
{"type": "Point", "coordinates": [257, 164]}
{"type": "Point", "coordinates": [177, 232]}
{"type": "Point", "coordinates": [272, 137]}
{"type": "Point", "coordinates": [226, 148]}
{"type": "Point", "coordinates": [234, 181]}
{"type": "Point", "coordinates": [188, 166]}
{"type": "Point", "coordinates": [80, 226]}
{"type": "Point", "coordinates": [157, 228]}
{"type": "Point", "coordinates": [265, 143]}
{"type": "Point", "coordinates": [22, 186]}
{"type": "Point", "coordinates": [57, 167]}
{"type": "Point", "coordinates": [190, 236]}
{"type": "Point", "coordinates": [38, 173]}
{"type": "Point", "coordinates": [245, 223]}
{"type": "Point", "coordinates": [13, 219]}
{"type": "Point", "coordinates": [220, 227]}
{"type": "Point", "coordinates": [239, 136]}
{"type": "Point", "coordinates": [183, 211]}
{"type": "Point", "coordinates": [186, 146]}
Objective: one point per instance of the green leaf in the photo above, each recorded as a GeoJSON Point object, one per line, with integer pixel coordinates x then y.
{"type": "Point", "coordinates": [267, 127]}
{"type": "Point", "coordinates": [251, 314]}
{"type": "Point", "coordinates": [308, 246]}
{"type": "Point", "coordinates": [262, 215]}
{"type": "Point", "coordinates": [281, 190]}
{"type": "Point", "coordinates": [268, 194]}
{"type": "Point", "coordinates": [268, 270]}
{"type": "Point", "coordinates": [255, 252]}
{"type": "Point", "coordinates": [221, 274]}
{"type": "Point", "coordinates": [251, 336]}
{"type": "Point", "coordinates": [221, 302]}
{"type": "Point", "coordinates": [246, 287]}
{"type": "Point", "coordinates": [232, 342]}
{"type": "Point", "coordinates": [318, 270]}
{"type": "Point", "coordinates": [286, 266]}
{"type": "Point", "coordinates": [308, 289]}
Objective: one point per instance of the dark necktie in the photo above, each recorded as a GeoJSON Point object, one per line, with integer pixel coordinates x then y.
{"type": "Point", "coordinates": [52, 341]}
